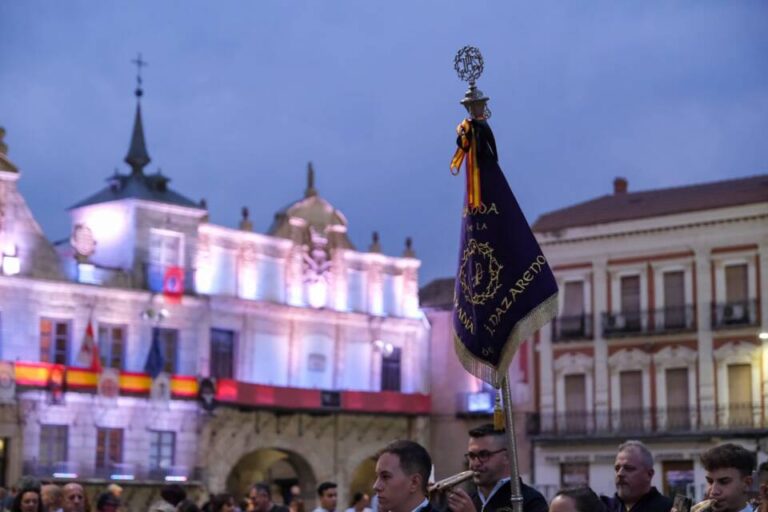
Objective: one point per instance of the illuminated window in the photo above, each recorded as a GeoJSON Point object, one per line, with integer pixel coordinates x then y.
{"type": "Point", "coordinates": [390, 370]}
{"type": "Point", "coordinates": [166, 248]}
{"type": "Point", "coordinates": [169, 343]}
{"type": "Point", "coordinates": [112, 345]}
{"type": "Point", "coordinates": [222, 353]}
{"type": "Point", "coordinates": [54, 341]}
{"type": "Point", "coordinates": [109, 447]}
{"type": "Point", "coordinates": [162, 449]}
{"type": "Point", "coordinates": [53, 444]}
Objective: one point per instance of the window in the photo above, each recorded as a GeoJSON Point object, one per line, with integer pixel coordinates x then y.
{"type": "Point", "coordinates": [165, 248]}
{"type": "Point", "coordinates": [53, 444]}
{"type": "Point", "coordinates": [674, 300]}
{"type": "Point", "coordinates": [678, 406]}
{"type": "Point", "coordinates": [109, 447]}
{"type": "Point", "coordinates": [54, 341]}
{"type": "Point", "coordinates": [111, 345]}
{"type": "Point", "coordinates": [630, 301]}
{"type": "Point", "coordinates": [576, 403]}
{"type": "Point", "coordinates": [572, 321]}
{"type": "Point", "coordinates": [169, 341]}
{"type": "Point", "coordinates": [736, 283]}
{"type": "Point", "coordinates": [740, 395]}
{"type": "Point", "coordinates": [162, 449]}
{"type": "Point", "coordinates": [631, 384]}
{"type": "Point", "coordinates": [390, 371]}
{"type": "Point", "coordinates": [574, 474]}
{"type": "Point", "coordinates": [222, 353]}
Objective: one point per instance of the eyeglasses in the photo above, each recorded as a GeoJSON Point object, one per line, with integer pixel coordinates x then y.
{"type": "Point", "coordinates": [482, 455]}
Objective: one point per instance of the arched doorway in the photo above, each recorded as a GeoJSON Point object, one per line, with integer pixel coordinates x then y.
{"type": "Point", "coordinates": [362, 479]}
{"type": "Point", "coordinates": [281, 468]}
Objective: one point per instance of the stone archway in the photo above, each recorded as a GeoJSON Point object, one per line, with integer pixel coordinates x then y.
{"type": "Point", "coordinates": [362, 478]}
{"type": "Point", "coordinates": [280, 467]}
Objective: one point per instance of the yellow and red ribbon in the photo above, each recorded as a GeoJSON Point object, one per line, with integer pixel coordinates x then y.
{"type": "Point", "coordinates": [468, 148]}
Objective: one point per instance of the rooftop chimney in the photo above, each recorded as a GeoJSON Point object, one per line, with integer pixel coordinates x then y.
{"type": "Point", "coordinates": [620, 186]}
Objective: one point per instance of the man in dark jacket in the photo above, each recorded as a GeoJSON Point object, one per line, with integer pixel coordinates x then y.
{"type": "Point", "coordinates": [487, 457]}
{"type": "Point", "coordinates": [634, 472]}
{"type": "Point", "coordinates": [402, 472]}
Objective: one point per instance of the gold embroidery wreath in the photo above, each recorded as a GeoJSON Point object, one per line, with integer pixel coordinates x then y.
{"type": "Point", "coordinates": [484, 253]}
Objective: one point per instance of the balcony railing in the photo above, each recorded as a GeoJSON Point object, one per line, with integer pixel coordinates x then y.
{"type": "Point", "coordinates": [66, 470]}
{"type": "Point", "coordinates": [667, 320]}
{"type": "Point", "coordinates": [735, 314]}
{"type": "Point", "coordinates": [572, 328]}
{"type": "Point", "coordinates": [650, 421]}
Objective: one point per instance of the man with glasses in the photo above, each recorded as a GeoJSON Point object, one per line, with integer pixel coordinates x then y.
{"type": "Point", "coordinates": [487, 458]}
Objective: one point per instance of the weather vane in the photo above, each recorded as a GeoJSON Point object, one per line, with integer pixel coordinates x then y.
{"type": "Point", "coordinates": [469, 65]}
{"type": "Point", "coordinates": [139, 64]}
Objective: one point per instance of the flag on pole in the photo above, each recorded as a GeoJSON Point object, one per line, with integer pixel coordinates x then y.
{"type": "Point", "coordinates": [504, 290]}
{"type": "Point", "coordinates": [155, 359]}
{"type": "Point", "coordinates": [89, 351]}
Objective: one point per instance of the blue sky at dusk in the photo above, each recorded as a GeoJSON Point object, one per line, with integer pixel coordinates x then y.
{"type": "Point", "coordinates": [240, 95]}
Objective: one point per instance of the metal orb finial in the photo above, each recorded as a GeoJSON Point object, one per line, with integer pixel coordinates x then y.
{"type": "Point", "coordinates": [468, 64]}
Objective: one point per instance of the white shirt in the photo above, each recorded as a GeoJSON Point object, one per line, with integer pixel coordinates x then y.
{"type": "Point", "coordinates": [499, 484]}
{"type": "Point", "coordinates": [422, 504]}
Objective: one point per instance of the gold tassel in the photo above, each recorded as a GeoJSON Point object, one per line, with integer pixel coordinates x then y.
{"type": "Point", "coordinates": [498, 415]}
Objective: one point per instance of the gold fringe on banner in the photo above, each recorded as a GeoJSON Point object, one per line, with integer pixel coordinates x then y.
{"type": "Point", "coordinates": [532, 322]}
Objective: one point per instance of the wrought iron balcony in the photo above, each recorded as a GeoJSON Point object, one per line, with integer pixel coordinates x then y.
{"type": "Point", "coordinates": [740, 417]}
{"type": "Point", "coordinates": [572, 328]}
{"type": "Point", "coordinates": [666, 320]}
{"type": "Point", "coordinates": [735, 314]}
{"type": "Point", "coordinates": [625, 323]}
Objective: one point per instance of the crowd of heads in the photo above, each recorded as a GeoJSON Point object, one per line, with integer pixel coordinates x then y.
{"type": "Point", "coordinates": [402, 483]}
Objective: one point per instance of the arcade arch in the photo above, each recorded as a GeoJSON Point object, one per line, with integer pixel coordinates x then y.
{"type": "Point", "coordinates": [283, 468]}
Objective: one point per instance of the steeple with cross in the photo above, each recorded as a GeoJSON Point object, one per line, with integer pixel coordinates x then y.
{"type": "Point", "coordinates": [137, 156]}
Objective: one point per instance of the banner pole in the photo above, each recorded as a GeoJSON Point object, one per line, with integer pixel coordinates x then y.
{"type": "Point", "coordinates": [514, 470]}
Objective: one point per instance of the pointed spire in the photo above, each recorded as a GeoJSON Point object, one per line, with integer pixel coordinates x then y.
{"type": "Point", "coordinates": [137, 156]}
{"type": "Point", "coordinates": [409, 252]}
{"type": "Point", "coordinates": [375, 243]}
{"type": "Point", "coordinates": [245, 222]}
{"type": "Point", "coordinates": [311, 190]}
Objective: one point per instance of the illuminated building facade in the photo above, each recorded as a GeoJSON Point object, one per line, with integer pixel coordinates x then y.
{"type": "Point", "coordinates": [662, 334]}
{"type": "Point", "coordinates": [315, 353]}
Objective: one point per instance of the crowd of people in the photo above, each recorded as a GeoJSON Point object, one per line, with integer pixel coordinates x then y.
{"type": "Point", "coordinates": [402, 484]}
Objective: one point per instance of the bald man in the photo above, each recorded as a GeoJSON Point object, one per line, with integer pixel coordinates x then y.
{"type": "Point", "coordinates": [74, 498]}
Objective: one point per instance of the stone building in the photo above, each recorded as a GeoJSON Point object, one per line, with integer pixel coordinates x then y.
{"type": "Point", "coordinates": [662, 334]}
{"type": "Point", "coordinates": [311, 354]}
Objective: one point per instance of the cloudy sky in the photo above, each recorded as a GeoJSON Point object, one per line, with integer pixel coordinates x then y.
{"type": "Point", "coordinates": [239, 96]}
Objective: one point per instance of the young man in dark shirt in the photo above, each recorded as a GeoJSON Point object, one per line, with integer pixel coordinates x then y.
{"type": "Point", "coordinates": [487, 457]}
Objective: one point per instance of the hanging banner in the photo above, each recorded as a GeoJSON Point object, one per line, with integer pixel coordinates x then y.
{"type": "Point", "coordinates": [173, 284]}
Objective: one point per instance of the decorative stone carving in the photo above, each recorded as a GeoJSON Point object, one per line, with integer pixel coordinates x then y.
{"type": "Point", "coordinates": [629, 359]}
{"type": "Point", "coordinates": [574, 363]}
